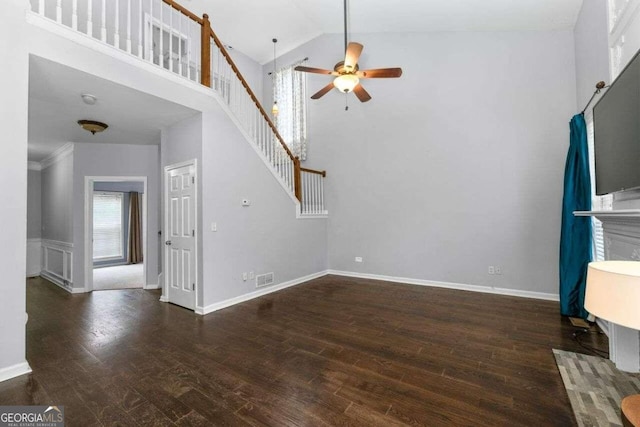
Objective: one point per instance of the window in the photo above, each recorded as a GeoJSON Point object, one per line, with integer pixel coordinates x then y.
{"type": "Point", "coordinates": [290, 91]}
{"type": "Point", "coordinates": [176, 47]}
{"type": "Point", "coordinates": [598, 203]}
{"type": "Point", "coordinates": [108, 233]}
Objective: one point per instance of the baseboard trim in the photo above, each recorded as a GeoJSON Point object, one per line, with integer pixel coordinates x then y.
{"type": "Point", "coordinates": [150, 286]}
{"type": "Point", "coordinates": [164, 299]}
{"type": "Point", "coordinates": [14, 371]}
{"type": "Point", "coordinates": [256, 294]}
{"type": "Point", "coordinates": [604, 325]}
{"type": "Point", "coordinates": [450, 285]}
{"type": "Point", "coordinates": [58, 282]}
{"type": "Point", "coordinates": [55, 280]}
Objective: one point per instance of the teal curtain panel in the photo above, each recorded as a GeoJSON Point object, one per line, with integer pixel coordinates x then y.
{"type": "Point", "coordinates": [576, 235]}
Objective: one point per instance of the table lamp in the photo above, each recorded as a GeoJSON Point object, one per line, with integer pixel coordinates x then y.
{"type": "Point", "coordinates": [613, 294]}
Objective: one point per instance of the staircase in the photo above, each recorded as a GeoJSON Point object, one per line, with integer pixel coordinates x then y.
{"type": "Point", "coordinates": [168, 35]}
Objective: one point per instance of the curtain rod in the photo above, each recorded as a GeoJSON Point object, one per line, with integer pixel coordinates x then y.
{"type": "Point", "coordinates": [599, 86]}
{"type": "Point", "coordinates": [306, 58]}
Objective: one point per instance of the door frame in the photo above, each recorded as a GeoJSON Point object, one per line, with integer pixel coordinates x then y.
{"type": "Point", "coordinates": [88, 225]}
{"type": "Point", "coordinates": [165, 227]}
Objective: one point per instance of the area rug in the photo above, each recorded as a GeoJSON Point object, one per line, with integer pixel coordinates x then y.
{"type": "Point", "coordinates": [595, 387]}
{"type": "Point", "coordinates": [119, 277]}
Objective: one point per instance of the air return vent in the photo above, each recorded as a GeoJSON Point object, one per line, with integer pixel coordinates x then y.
{"type": "Point", "coordinates": [264, 280]}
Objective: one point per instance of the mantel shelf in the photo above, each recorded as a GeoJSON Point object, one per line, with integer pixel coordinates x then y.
{"type": "Point", "coordinates": [621, 213]}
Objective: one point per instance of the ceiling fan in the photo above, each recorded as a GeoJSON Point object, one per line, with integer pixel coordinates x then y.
{"type": "Point", "coordinates": [347, 73]}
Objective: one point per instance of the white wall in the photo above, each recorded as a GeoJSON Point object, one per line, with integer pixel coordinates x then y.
{"type": "Point", "coordinates": [112, 160]}
{"type": "Point", "coordinates": [34, 204]}
{"type": "Point", "coordinates": [264, 237]}
{"type": "Point", "coordinates": [591, 49]}
{"type": "Point", "coordinates": [457, 165]}
{"type": "Point", "coordinates": [34, 222]}
{"type": "Point", "coordinates": [57, 199]}
{"type": "Point", "coordinates": [14, 86]}
{"type": "Point", "coordinates": [251, 71]}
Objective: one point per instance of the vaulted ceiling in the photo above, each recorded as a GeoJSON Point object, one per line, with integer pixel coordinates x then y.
{"type": "Point", "coordinates": [249, 25]}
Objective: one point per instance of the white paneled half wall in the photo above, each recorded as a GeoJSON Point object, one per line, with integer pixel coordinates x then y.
{"type": "Point", "coordinates": [57, 263]}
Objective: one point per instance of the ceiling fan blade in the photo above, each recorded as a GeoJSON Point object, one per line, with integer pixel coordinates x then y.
{"type": "Point", "coordinates": [362, 94]}
{"type": "Point", "coordinates": [353, 54]}
{"type": "Point", "coordinates": [319, 94]}
{"type": "Point", "coordinates": [377, 73]}
{"type": "Point", "coordinates": [314, 70]}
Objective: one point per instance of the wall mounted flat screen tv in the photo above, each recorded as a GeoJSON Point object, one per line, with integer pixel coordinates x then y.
{"type": "Point", "coordinates": [616, 120]}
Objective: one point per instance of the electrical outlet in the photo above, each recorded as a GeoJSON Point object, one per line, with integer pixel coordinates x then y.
{"type": "Point", "coordinates": [214, 226]}
{"type": "Point", "coordinates": [358, 259]}
{"type": "Point", "coordinates": [498, 270]}
{"type": "Point", "coordinates": [491, 270]}
{"type": "Point", "coordinates": [244, 276]}
{"type": "Point", "coordinates": [251, 275]}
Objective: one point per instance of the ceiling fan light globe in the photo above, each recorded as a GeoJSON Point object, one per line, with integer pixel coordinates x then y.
{"type": "Point", "coordinates": [346, 82]}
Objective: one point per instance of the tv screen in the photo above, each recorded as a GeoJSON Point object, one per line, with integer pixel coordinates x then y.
{"type": "Point", "coordinates": [616, 120]}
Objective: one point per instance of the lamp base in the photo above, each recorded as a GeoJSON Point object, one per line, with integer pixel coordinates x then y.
{"type": "Point", "coordinates": [624, 348]}
{"type": "Point", "coordinates": [630, 411]}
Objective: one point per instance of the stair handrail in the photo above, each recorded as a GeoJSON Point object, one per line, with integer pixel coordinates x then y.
{"type": "Point", "coordinates": [183, 10]}
{"type": "Point", "coordinates": [205, 79]}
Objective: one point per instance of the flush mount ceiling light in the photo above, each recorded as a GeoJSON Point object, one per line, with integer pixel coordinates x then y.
{"type": "Point", "coordinates": [92, 126]}
{"type": "Point", "coordinates": [88, 98]}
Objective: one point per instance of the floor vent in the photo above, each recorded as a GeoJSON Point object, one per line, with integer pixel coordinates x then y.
{"type": "Point", "coordinates": [264, 280]}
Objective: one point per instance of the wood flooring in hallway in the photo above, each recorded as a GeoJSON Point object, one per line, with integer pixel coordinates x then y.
{"type": "Point", "coordinates": [333, 351]}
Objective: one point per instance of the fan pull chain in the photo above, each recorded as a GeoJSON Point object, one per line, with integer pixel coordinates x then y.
{"type": "Point", "coordinates": [346, 102]}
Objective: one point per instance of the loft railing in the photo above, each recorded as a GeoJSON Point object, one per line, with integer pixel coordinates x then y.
{"type": "Point", "coordinates": [168, 35]}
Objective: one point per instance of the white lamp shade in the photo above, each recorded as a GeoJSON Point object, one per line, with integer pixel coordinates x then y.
{"type": "Point", "coordinates": [613, 292]}
{"type": "Point", "coordinates": [346, 82]}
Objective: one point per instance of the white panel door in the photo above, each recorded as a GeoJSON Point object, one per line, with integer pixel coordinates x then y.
{"type": "Point", "coordinates": [180, 241]}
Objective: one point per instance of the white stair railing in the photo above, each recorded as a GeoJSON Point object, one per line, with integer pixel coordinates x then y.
{"type": "Point", "coordinates": [166, 34]}
{"type": "Point", "coordinates": [241, 103]}
{"type": "Point", "coordinates": [312, 202]}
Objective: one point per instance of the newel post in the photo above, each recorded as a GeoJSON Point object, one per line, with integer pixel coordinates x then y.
{"type": "Point", "coordinates": [297, 178]}
{"type": "Point", "coordinates": [205, 52]}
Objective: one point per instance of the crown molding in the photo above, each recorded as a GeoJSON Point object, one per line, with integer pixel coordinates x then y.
{"type": "Point", "coordinates": [57, 155]}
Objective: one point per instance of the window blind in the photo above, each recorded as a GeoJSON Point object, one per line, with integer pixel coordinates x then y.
{"type": "Point", "coordinates": [598, 203]}
{"type": "Point", "coordinates": [107, 225]}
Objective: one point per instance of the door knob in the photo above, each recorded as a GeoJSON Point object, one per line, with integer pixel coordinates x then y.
{"type": "Point", "coordinates": [168, 243]}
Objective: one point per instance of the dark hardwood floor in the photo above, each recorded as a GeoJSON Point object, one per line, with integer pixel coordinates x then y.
{"type": "Point", "coordinates": [334, 351]}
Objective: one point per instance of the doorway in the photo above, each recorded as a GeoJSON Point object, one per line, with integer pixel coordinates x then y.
{"type": "Point", "coordinates": [115, 232]}
{"type": "Point", "coordinates": [180, 213]}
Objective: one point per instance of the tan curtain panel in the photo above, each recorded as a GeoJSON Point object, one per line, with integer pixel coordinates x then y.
{"type": "Point", "coordinates": [135, 229]}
